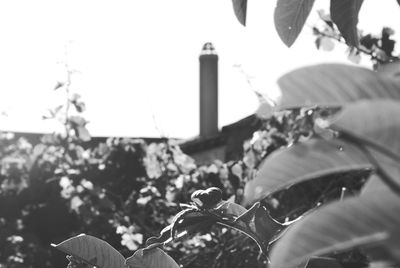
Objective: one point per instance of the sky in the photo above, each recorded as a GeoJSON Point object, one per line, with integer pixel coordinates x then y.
{"type": "Point", "coordinates": [136, 62]}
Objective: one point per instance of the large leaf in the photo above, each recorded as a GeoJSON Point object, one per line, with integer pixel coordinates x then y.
{"type": "Point", "coordinates": [93, 251]}
{"type": "Point", "coordinates": [290, 16]}
{"type": "Point", "coordinates": [152, 258]}
{"type": "Point", "coordinates": [323, 262]}
{"type": "Point", "coordinates": [240, 8]}
{"type": "Point", "coordinates": [301, 162]}
{"type": "Point", "coordinates": [373, 121]}
{"type": "Point", "coordinates": [344, 14]}
{"type": "Point", "coordinates": [370, 222]}
{"type": "Point", "coordinates": [374, 185]}
{"type": "Point", "coordinates": [390, 68]}
{"type": "Point", "coordinates": [333, 85]}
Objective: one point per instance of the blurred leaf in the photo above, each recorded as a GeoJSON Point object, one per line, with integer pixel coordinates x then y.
{"type": "Point", "coordinates": [374, 185]}
{"type": "Point", "coordinates": [333, 85]}
{"type": "Point", "coordinates": [240, 8]}
{"type": "Point", "coordinates": [77, 120]}
{"type": "Point", "coordinates": [59, 85]}
{"type": "Point", "coordinates": [373, 121]}
{"type": "Point", "coordinates": [354, 57]}
{"type": "Point", "coordinates": [290, 17]}
{"type": "Point", "coordinates": [318, 42]}
{"type": "Point", "coordinates": [390, 68]}
{"type": "Point", "coordinates": [301, 162]}
{"type": "Point", "coordinates": [325, 17]}
{"type": "Point", "coordinates": [92, 250]}
{"type": "Point", "coordinates": [370, 222]}
{"type": "Point", "coordinates": [322, 262]}
{"type": "Point", "coordinates": [83, 133]}
{"type": "Point", "coordinates": [344, 14]}
{"type": "Point", "coordinates": [368, 41]}
{"type": "Point", "coordinates": [326, 44]}
{"type": "Point", "coordinates": [153, 258]}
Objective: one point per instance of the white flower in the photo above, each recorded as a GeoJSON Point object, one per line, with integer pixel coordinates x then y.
{"type": "Point", "coordinates": [76, 202]}
{"type": "Point", "coordinates": [65, 182]}
{"type": "Point", "coordinates": [87, 184]}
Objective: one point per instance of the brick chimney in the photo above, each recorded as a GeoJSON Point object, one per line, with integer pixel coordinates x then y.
{"type": "Point", "coordinates": [208, 91]}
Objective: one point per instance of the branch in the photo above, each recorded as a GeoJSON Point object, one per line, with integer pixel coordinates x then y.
{"type": "Point", "coordinates": [359, 49]}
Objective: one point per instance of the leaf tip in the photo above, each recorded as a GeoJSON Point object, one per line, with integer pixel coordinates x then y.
{"type": "Point", "coordinates": [240, 9]}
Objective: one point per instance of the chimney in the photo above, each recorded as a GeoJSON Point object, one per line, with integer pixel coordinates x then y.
{"type": "Point", "coordinates": [208, 91]}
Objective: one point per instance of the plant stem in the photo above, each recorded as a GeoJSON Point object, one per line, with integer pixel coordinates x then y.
{"type": "Point", "coordinates": [359, 49]}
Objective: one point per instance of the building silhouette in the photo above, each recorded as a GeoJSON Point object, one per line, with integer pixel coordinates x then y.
{"type": "Point", "coordinates": [212, 143]}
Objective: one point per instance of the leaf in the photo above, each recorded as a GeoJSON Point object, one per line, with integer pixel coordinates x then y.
{"type": "Point", "coordinates": [370, 222]}
{"type": "Point", "coordinates": [59, 85]}
{"type": "Point", "coordinates": [373, 121]}
{"type": "Point", "coordinates": [326, 44]}
{"type": "Point", "coordinates": [344, 14]}
{"type": "Point", "coordinates": [354, 57]}
{"type": "Point", "coordinates": [301, 162]}
{"type": "Point", "coordinates": [290, 17]}
{"type": "Point", "coordinates": [249, 214]}
{"type": "Point", "coordinates": [333, 85]}
{"type": "Point", "coordinates": [374, 185]}
{"type": "Point", "coordinates": [184, 224]}
{"type": "Point", "coordinates": [92, 250]}
{"type": "Point", "coordinates": [226, 208]}
{"type": "Point", "coordinates": [83, 133]}
{"type": "Point", "coordinates": [266, 227]}
{"type": "Point", "coordinates": [240, 8]}
{"type": "Point", "coordinates": [77, 120]}
{"type": "Point", "coordinates": [390, 68]}
{"type": "Point", "coordinates": [153, 258]}
{"type": "Point", "coordinates": [323, 262]}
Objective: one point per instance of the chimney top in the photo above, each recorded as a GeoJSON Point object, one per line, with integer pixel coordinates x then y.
{"type": "Point", "coordinates": [208, 49]}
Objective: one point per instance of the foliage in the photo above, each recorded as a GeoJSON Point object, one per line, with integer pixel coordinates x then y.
{"type": "Point", "coordinates": [290, 17]}
{"type": "Point", "coordinates": [379, 48]}
{"type": "Point", "coordinates": [300, 176]}
{"type": "Point", "coordinates": [361, 134]}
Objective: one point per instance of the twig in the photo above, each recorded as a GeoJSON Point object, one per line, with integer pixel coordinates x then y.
{"type": "Point", "coordinates": [359, 49]}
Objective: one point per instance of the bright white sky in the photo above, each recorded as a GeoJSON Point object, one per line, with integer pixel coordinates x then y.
{"type": "Point", "coordinates": [138, 60]}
